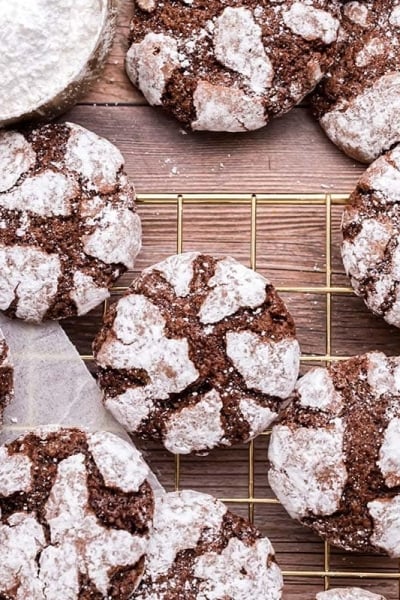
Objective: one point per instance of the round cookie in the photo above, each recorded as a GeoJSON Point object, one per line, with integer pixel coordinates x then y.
{"type": "Point", "coordinates": [199, 550]}
{"type": "Point", "coordinates": [6, 376]}
{"type": "Point", "coordinates": [50, 53]}
{"type": "Point", "coordinates": [75, 516]}
{"type": "Point", "coordinates": [334, 455]}
{"type": "Point", "coordinates": [68, 226]}
{"type": "Point", "coordinates": [371, 237]}
{"type": "Point", "coordinates": [348, 594]}
{"type": "Point", "coordinates": [199, 353]}
{"type": "Point", "coordinates": [230, 66]}
{"type": "Point", "coordinates": [358, 102]}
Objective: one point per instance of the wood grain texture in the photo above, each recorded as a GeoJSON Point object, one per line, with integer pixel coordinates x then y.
{"type": "Point", "coordinates": [290, 155]}
{"type": "Point", "coordinates": [114, 86]}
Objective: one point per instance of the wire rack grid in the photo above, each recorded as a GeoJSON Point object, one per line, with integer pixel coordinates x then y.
{"type": "Point", "coordinates": [253, 201]}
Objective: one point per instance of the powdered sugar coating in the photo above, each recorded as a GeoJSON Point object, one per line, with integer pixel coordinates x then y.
{"type": "Point", "coordinates": [368, 124]}
{"type": "Point", "coordinates": [120, 463]}
{"type": "Point", "coordinates": [62, 544]}
{"type": "Point", "coordinates": [233, 285]}
{"type": "Point", "coordinates": [95, 551]}
{"type": "Point", "coordinates": [21, 539]}
{"type": "Point", "coordinates": [156, 54]}
{"type": "Point", "coordinates": [371, 234]}
{"type": "Point", "coordinates": [316, 390]}
{"type": "Point", "coordinates": [308, 471]}
{"type": "Point", "coordinates": [116, 237]}
{"type": "Point", "coordinates": [258, 417]}
{"type": "Point", "coordinates": [59, 191]}
{"type": "Point", "coordinates": [140, 343]}
{"type": "Point", "coordinates": [394, 18]}
{"type": "Point", "coordinates": [238, 45]}
{"type": "Point", "coordinates": [179, 519]}
{"type": "Point", "coordinates": [15, 473]}
{"type": "Point", "coordinates": [219, 108]}
{"type": "Point", "coordinates": [34, 274]}
{"type": "Point", "coordinates": [224, 66]}
{"type": "Point", "coordinates": [16, 158]}
{"type": "Point", "coordinates": [85, 154]}
{"type": "Point", "coordinates": [86, 294]}
{"type": "Point", "coordinates": [356, 12]}
{"type": "Point", "coordinates": [196, 428]}
{"type": "Point", "coordinates": [335, 466]}
{"type": "Point", "coordinates": [46, 68]}
{"type": "Point", "coordinates": [389, 454]}
{"type": "Point", "coordinates": [358, 101]}
{"type": "Point", "coordinates": [268, 366]}
{"type": "Point", "coordinates": [202, 360]}
{"type": "Point", "coordinates": [228, 573]}
{"type": "Point", "coordinates": [386, 517]}
{"type": "Point", "coordinates": [68, 225]}
{"type": "Point", "coordinates": [193, 550]}
{"type": "Point", "coordinates": [178, 271]}
{"type": "Point", "coordinates": [311, 23]}
{"type": "Point", "coordinates": [348, 594]}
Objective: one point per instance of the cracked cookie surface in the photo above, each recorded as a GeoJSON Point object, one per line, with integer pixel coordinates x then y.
{"type": "Point", "coordinates": [199, 550]}
{"type": "Point", "coordinates": [334, 454]}
{"type": "Point", "coordinates": [358, 102]}
{"type": "Point", "coordinates": [230, 66]}
{"type": "Point", "coordinates": [68, 226]}
{"type": "Point", "coordinates": [371, 236]}
{"type": "Point", "coordinates": [75, 516]}
{"type": "Point", "coordinates": [199, 353]}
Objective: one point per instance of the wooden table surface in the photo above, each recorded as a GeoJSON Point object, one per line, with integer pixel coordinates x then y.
{"type": "Point", "coordinates": [290, 155]}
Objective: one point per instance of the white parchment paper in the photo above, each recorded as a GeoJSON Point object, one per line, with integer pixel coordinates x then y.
{"type": "Point", "coordinates": [53, 386]}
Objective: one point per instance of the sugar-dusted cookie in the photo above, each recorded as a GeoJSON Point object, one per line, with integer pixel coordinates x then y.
{"type": "Point", "coordinates": [230, 65]}
{"type": "Point", "coordinates": [371, 237]}
{"type": "Point", "coordinates": [334, 455]}
{"type": "Point", "coordinates": [75, 516]}
{"type": "Point", "coordinates": [68, 226]}
{"type": "Point", "coordinates": [199, 353]}
{"type": "Point", "coordinates": [6, 376]}
{"type": "Point", "coordinates": [199, 549]}
{"type": "Point", "coordinates": [358, 102]}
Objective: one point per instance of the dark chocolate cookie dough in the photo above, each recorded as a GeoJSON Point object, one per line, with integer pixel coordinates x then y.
{"type": "Point", "coordinates": [75, 516]}
{"type": "Point", "coordinates": [334, 455]}
{"type": "Point", "coordinates": [199, 353]}
{"type": "Point", "coordinates": [199, 550]}
{"type": "Point", "coordinates": [68, 226]}
{"type": "Point", "coordinates": [230, 66]}
{"type": "Point", "coordinates": [358, 102]}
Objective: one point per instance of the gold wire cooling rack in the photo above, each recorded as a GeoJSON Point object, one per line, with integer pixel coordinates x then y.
{"type": "Point", "coordinates": [328, 575]}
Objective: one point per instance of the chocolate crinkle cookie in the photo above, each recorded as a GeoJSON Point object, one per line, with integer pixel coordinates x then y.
{"type": "Point", "coordinates": [230, 65]}
{"type": "Point", "coordinates": [6, 377]}
{"type": "Point", "coordinates": [358, 102]}
{"type": "Point", "coordinates": [199, 353]}
{"type": "Point", "coordinates": [334, 455]}
{"type": "Point", "coordinates": [200, 550]}
{"type": "Point", "coordinates": [75, 516]}
{"type": "Point", "coordinates": [371, 237]}
{"type": "Point", "coordinates": [348, 594]}
{"type": "Point", "coordinates": [68, 226]}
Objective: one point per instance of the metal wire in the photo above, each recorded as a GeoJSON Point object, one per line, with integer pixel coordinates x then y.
{"type": "Point", "coordinates": [253, 201]}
